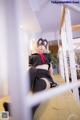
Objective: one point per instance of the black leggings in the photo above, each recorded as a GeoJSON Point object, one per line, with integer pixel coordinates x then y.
{"type": "Point", "coordinates": [36, 82]}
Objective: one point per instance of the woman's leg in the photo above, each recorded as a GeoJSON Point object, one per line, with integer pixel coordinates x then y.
{"type": "Point", "coordinates": [40, 85]}
{"type": "Point", "coordinates": [32, 76]}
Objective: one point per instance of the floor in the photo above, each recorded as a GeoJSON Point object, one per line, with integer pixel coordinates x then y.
{"type": "Point", "coordinates": [63, 107]}
{"type": "Point", "coordinates": [2, 100]}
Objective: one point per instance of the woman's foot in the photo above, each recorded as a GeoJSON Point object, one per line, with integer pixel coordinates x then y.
{"type": "Point", "coordinates": [53, 84]}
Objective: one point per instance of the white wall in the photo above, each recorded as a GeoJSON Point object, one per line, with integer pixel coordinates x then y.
{"type": "Point", "coordinates": [46, 35]}
{"type": "Point", "coordinates": [3, 52]}
{"type": "Point", "coordinates": [28, 23]}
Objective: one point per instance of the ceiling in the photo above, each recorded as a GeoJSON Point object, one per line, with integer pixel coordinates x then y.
{"type": "Point", "coordinates": [29, 21]}
{"type": "Point", "coordinates": [48, 15]}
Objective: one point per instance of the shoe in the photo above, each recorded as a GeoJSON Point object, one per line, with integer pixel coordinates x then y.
{"type": "Point", "coordinates": [53, 84]}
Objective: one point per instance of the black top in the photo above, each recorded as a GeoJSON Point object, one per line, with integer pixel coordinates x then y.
{"type": "Point", "coordinates": [35, 59]}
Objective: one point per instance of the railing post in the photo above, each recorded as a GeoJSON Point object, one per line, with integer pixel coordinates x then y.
{"type": "Point", "coordinates": [18, 78]}
{"type": "Point", "coordinates": [71, 51]}
{"type": "Point", "coordinates": [65, 49]}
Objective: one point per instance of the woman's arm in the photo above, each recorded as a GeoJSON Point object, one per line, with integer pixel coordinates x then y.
{"type": "Point", "coordinates": [50, 66]}
{"type": "Point", "coordinates": [30, 60]}
{"type": "Point", "coordinates": [51, 71]}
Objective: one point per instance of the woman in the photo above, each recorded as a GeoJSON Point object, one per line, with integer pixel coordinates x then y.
{"type": "Point", "coordinates": [41, 71]}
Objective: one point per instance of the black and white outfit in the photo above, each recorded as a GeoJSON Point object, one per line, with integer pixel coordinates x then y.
{"type": "Point", "coordinates": [40, 78]}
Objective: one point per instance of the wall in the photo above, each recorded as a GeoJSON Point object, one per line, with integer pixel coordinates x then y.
{"type": "Point", "coordinates": [3, 53]}
{"type": "Point", "coordinates": [53, 49]}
